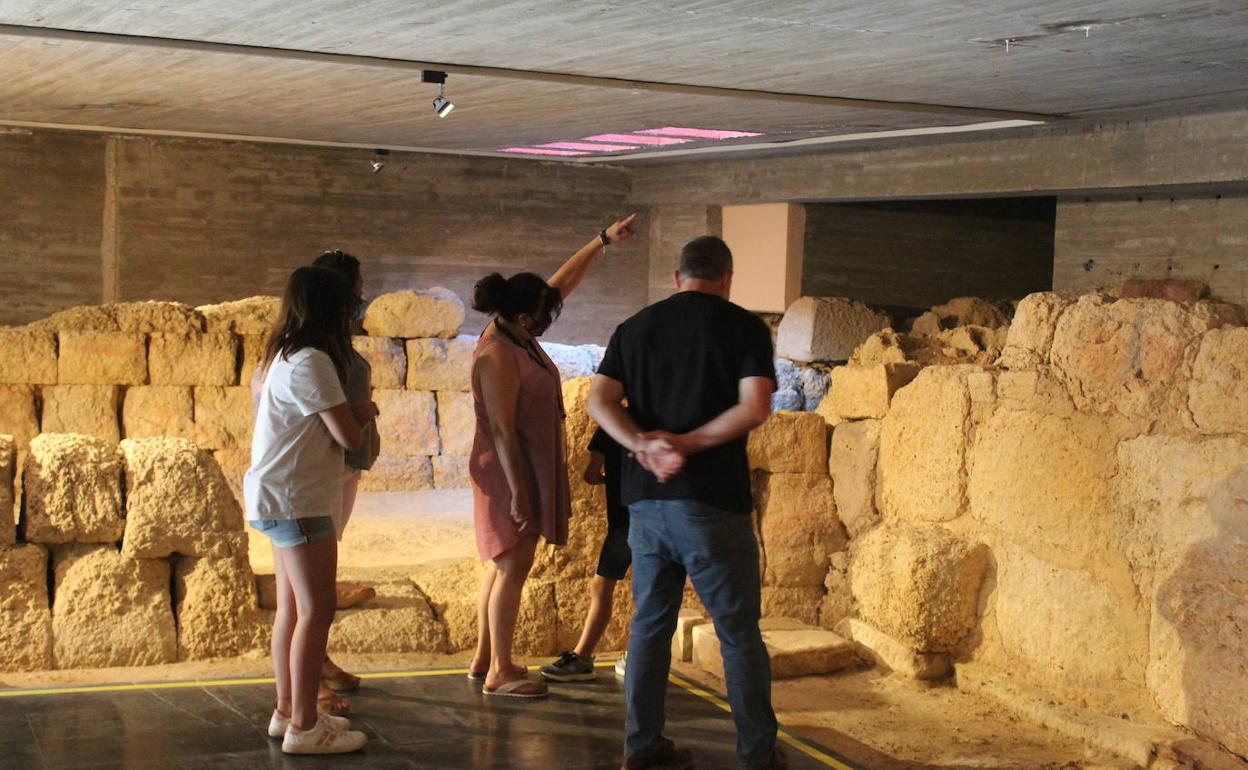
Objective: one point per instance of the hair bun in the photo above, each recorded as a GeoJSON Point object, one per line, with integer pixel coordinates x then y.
{"type": "Point", "coordinates": [492, 295]}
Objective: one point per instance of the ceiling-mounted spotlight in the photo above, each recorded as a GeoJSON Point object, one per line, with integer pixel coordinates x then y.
{"type": "Point", "coordinates": [441, 105]}
{"type": "Point", "coordinates": [379, 160]}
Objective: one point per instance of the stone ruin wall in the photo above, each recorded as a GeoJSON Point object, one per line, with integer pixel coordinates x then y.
{"type": "Point", "coordinates": [1060, 504]}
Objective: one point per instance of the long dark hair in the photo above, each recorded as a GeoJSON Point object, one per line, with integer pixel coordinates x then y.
{"type": "Point", "coordinates": [520, 294]}
{"type": "Point", "coordinates": [316, 313]}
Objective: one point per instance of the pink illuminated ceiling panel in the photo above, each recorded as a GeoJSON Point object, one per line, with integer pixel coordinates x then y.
{"type": "Point", "coordinates": [698, 133]}
{"type": "Point", "coordinates": [650, 141]}
{"type": "Point", "coordinates": [538, 151]}
{"type": "Point", "coordinates": [588, 146]}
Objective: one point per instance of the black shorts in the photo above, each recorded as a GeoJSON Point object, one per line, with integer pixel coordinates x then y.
{"type": "Point", "coordinates": [615, 557]}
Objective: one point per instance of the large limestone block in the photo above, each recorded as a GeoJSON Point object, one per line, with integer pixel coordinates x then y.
{"type": "Point", "coordinates": [795, 649]}
{"type": "Point", "coordinates": [154, 316]}
{"type": "Point", "coordinates": [1034, 390]}
{"type": "Point", "coordinates": [866, 392]}
{"type": "Point", "coordinates": [1031, 333]}
{"type": "Point", "coordinates": [399, 618]}
{"type": "Point", "coordinates": [217, 607]}
{"type": "Point", "coordinates": [111, 610]}
{"type": "Point", "coordinates": [452, 592]}
{"type": "Point", "coordinates": [193, 359]}
{"type": "Point", "coordinates": [578, 559]}
{"type": "Point", "coordinates": [572, 605]}
{"type": "Point", "coordinates": [826, 329]}
{"type": "Point", "coordinates": [224, 417]}
{"type": "Point", "coordinates": [253, 315]}
{"type": "Point", "coordinates": [961, 311]}
{"type": "Point", "coordinates": [436, 364]}
{"type": "Point", "coordinates": [408, 423]}
{"type": "Point", "coordinates": [25, 618]}
{"type": "Point", "coordinates": [8, 473]}
{"type": "Point", "coordinates": [920, 586]}
{"type": "Point", "coordinates": [682, 640]}
{"type": "Point", "coordinates": [852, 465]}
{"type": "Point", "coordinates": [457, 422]}
{"type": "Point", "coordinates": [149, 411]}
{"type": "Point", "coordinates": [72, 490]}
{"type": "Point", "coordinates": [134, 317]}
{"type": "Point", "coordinates": [177, 501]}
{"type": "Point", "coordinates": [979, 345]}
{"type": "Point", "coordinates": [1067, 628]}
{"type": "Point", "coordinates": [102, 358]}
{"type": "Point", "coordinates": [234, 463]}
{"type": "Point", "coordinates": [386, 357]}
{"type": "Point", "coordinates": [1184, 507]}
{"type": "Point", "coordinates": [923, 447]}
{"type": "Point", "coordinates": [1132, 355]}
{"type": "Point", "coordinates": [18, 417]}
{"type": "Point", "coordinates": [398, 473]}
{"type": "Point", "coordinates": [27, 356]}
{"type": "Point", "coordinates": [253, 351]}
{"type": "Point", "coordinates": [1044, 481]}
{"type": "Point", "coordinates": [799, 602]}
{"type": "Point", "coordinates": [1198, 641]}
{"type": "Point", "coordinates": [450, 472]}
{"type": "Point", "coordinates": [873, 644]}
{"type": "Point", "coordinates": [1169, 493]}
{"type": "Point", "coordinates": [799, 527]}
{"type": "Point", "coordinates": [88, 409]}
{"type": "Point", "coordinates": [838, 593]}
{"type": "Point", "coordinates": [578, 429]}
{"type": "Point", "coordinates": [435, 312]}
{"type": "Point", "coordinates": [790, 442]}
{"type": "Point", "coordinates": [1218, 393]}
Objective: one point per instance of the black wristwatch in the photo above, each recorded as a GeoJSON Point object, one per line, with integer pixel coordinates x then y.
{"type": "Point", "coordinates": [602, 236]}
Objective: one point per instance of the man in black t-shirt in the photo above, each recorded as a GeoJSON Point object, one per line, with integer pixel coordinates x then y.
{"type": "Point", "coordinates": [697, 373]}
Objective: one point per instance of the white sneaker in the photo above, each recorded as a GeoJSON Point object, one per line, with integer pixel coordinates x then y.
{"type": "Point", "coordinates": [620, 663]}
{"type": "Point", "coordinates": [279, 723]}
{"type": "Point", "coordinates": [322, 739]}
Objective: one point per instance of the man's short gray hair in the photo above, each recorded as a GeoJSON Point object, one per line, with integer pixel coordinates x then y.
{"type": "Point", "coordinates": [705, 257]}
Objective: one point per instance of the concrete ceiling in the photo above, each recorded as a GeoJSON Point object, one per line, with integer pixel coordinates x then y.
{"type": "Point", "coordinates": [1114, 58]}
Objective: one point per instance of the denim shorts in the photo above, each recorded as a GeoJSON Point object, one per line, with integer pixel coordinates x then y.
{"type": "Point", "coordinates": [288, 533]}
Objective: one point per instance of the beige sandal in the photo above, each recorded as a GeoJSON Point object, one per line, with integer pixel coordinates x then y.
{"type": "Point", "coordinates": [518, 688]}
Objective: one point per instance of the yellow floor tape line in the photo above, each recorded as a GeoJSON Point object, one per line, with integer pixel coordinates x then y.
{"type": "Point", "coordinates": [785, 736]}
{"type": "Point", "coordinates": [684, 684]}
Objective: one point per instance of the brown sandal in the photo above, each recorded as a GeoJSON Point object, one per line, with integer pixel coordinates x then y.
{"type": "Point", "coordinates": [333, 705]}
{"type": "Point", "coordinates": [341, 681]}
{"type": "Point", "coordinates": [517, 688]}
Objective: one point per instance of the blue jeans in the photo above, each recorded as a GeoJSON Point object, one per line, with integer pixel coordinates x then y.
{"type": "Point", "coordinates": [717, 550]}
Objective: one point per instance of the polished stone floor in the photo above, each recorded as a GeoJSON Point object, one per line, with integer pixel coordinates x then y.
{"type": "Point", "coordinates": [414, 720]}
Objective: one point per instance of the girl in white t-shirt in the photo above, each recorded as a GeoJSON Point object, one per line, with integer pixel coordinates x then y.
{"type": "Point", "coordinates": [294, 488]}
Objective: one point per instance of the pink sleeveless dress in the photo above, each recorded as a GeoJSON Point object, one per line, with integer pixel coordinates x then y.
{"type": "Point", "coordinates": [539, 423]}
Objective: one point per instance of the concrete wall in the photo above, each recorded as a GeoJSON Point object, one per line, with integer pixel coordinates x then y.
{"type": "Point", "coordinates": [671, 227]}
{"type": "Point", "coordinates": [51, 222]}
{"type": "Point", "coordinates": [922, 253]}
{"type": "Point", "coordinates": [1101, 241]}
{"type": "Point", "coordinates": [130, 218]}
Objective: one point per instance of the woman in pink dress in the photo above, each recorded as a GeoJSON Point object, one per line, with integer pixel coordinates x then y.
{"type": "Point", "coordinates": [518, 464]}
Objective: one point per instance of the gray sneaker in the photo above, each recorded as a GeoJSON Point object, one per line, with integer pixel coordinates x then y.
{"type": "Point", "coordinates": [570, 667]}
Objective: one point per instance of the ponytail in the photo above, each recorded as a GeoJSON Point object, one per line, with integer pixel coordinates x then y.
{"type": "Point", "coordinates": [521, 293]}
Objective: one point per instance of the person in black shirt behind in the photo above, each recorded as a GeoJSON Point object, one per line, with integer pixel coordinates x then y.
{"type": "Point", "coordinates": [614, 559]}
{"type": "Point", "coordinates": [697, 372]}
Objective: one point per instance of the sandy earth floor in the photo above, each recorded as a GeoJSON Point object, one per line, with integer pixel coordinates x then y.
{"type": "Point", "coordinates": [390, 533]}
{"type": "Point", "coordinates": [875, 719]}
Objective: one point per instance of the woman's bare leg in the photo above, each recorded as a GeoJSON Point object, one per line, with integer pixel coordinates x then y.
{"type": "Point", "coordinates": [481, 658]}
{"type": "Point", "coordinates": [310, 569]}
{"type": "Point", "coordinates": [283, 630]}
{"type": "Point", "coordinates": [513, 569]}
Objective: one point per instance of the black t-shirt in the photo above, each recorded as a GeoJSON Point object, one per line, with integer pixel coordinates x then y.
{"type": "Point", "coordinates": [681, 362]}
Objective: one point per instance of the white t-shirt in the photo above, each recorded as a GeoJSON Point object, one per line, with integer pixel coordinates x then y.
{"type": "Point", "coordinates": [296, 466]}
